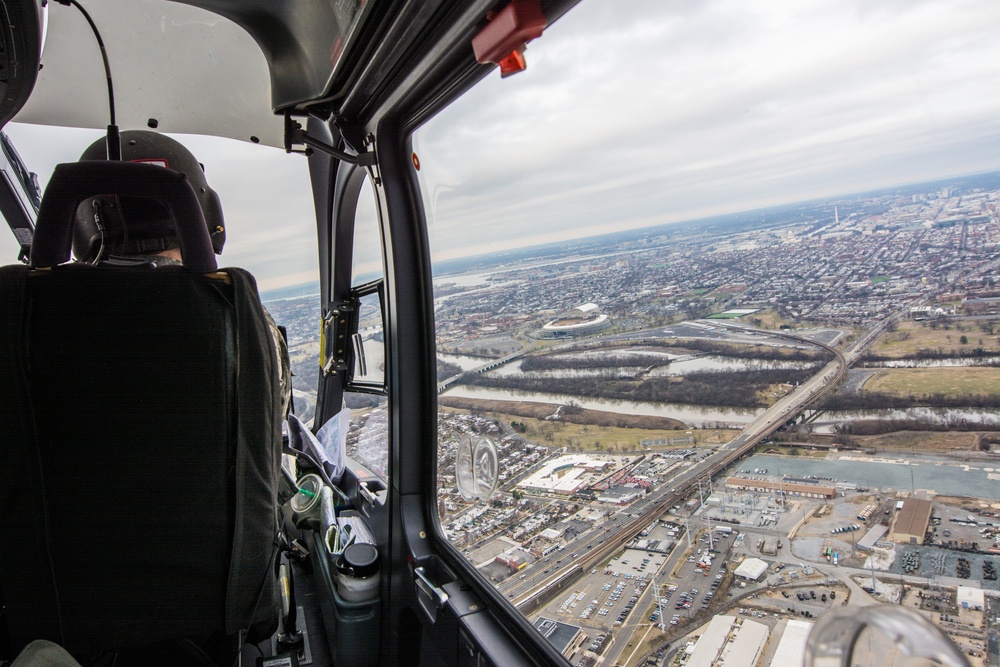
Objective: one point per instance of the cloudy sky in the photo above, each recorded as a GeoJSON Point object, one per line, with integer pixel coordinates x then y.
{"type": "Point", "coordinates": [673, 110]}
{"type": "Point", "coordinates": [640, 113]}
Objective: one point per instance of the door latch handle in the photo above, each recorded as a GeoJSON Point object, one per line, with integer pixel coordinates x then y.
{"type": "Point", "coordinates": [431, 597]}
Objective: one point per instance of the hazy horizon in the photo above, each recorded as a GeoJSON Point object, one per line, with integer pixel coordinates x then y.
{"type": "Point", "coordinates": [504, 257]}
{"type": "Point", "coordinates": [648, 113]}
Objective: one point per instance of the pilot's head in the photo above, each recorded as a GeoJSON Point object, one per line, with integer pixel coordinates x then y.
{"type": "Point", "coordinates": [109, 225]}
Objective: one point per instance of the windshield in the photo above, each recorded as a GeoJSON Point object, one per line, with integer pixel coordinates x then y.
{"type": "Point", "coordinates": [270, 227]}
{"type": "Point", "coordinates": [670, 236]}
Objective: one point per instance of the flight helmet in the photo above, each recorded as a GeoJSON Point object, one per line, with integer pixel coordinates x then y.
{"type": "Point", "coordinates": [112, 225]}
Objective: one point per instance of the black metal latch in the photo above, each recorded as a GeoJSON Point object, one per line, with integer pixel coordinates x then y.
{"type": "Point", "coordinates": [295, 136]}
{"type": "Point", "coordinates": [336, 334]}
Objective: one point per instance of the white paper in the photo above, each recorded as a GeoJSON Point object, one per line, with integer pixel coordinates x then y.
{"type": "Point", "coordinates": [332, 439]}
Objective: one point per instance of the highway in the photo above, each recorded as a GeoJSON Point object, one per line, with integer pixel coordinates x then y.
{"type": "Point", "coordinates": [540, 580]}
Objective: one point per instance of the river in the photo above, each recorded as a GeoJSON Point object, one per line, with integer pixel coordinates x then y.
{"type": "Point", "coordinates": [945, 476]}
{"type": "Point", "coordinates": [465, 362]}
{"type": "Point", "coordinates": [692, 415]}
{"type": "Point", "coordinates": [933, 363]}
{"type": "Point", "coordinates": [697, 416]}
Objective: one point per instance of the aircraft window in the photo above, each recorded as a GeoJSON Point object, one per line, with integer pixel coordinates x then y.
{"type": "Point", "coordinates": [367, 265]}
{"type": "Point", "coordinates": [568, 211]}
{"type": "Point", "coordinates": [368, 342]}
{"type": "Point", "coordinates": [368, 435]}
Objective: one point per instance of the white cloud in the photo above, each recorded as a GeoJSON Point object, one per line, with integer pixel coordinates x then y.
{"type": "Point", "coordinates": [709, 108]}
{"type": "Point", "coordinates": [639, 113]}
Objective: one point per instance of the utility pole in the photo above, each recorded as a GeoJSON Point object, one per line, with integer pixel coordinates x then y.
{"type": "Point", "coordinates": [659, 603]}
{"type": "Point", "coordinates": [781, 488]}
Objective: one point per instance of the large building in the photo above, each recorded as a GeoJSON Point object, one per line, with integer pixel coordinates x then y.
{"type": "Point", "coordinates": [792, 647]}
{"type": "Point", "coordinates": [730, 642]}
{"type": "Point", "coordinates": [970, 598]}
{"type": "Point", "coordinates": [565, 638]}
{"type": "Point", "coordinates": [911, 521]}
{"type": "Point", "coordinates": [751, 569]}
{"type": "Point", "coordinates": [867, 543]}
{"type": "Point", "coordinates": [585, 319]}
{"type": "Point", "coordinates": [568, 474]}
{"type": "Point", "coordinates": [781, 487]}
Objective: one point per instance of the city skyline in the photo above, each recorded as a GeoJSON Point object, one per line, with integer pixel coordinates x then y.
{"type": "Point", "coordinates": [857, 97]}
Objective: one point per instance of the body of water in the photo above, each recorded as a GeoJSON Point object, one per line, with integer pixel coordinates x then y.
{"type": "Point", "coordinates": [826, 422]}
{"type": "Point", "coordinates": [717, 363]}
{"type": "Point", "coordinates": [934, 363]}
{"type": "Point", "coordinates": [692, 415]}
{"type": "Point", "coordinates": [697, 416]}
{"type": "Point", "coordinates": [945, 476]}
{"type": "Point", "coordinates": [465, 362]}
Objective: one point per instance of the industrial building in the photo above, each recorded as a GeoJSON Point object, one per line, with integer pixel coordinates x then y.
{"type": "Point", "coordinates": [751, 569]}
{"type": "Point", "coordinates": [565, 638]}
{"type": "Point", "coordinates": [781, 487]}
{"type": "Point", "coordinates": [871, 538]}
{"type": "Point", "coordinates": [792, 647]}
{"type": "Point", "coordinates": [730, 642]}
{"type": "Point", "coordinates": [568, 474]}
{"type": "Point", "coordinates": [911, 521]}
{"type": "Point", "coordinates": [970, 598]}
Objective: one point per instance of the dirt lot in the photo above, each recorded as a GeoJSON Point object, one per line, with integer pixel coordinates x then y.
{"type": "Point", "coordinates": [948, 381]}
{"type": "Point", "coordinates": [816, 533]}
{"type": "Point", "coordinates": [925, 441]}
{"type": "Point", "coordinates": [905, 441]}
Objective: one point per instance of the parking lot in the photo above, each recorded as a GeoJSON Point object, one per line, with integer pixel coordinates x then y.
{"type": "Point", "coordinates": [696, 578]}
{"type": "Point", "coordinates": [601, 602]}
{"type": "Point", "coordinates": [606, 597]}
{"type": "Point", "coordinates": [636, 563]}
{"type": "Point", "coordinates": [808, 601]}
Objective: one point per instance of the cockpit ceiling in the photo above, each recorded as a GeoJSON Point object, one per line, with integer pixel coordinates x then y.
{"type": "Point", "coordinates": [191, 70]}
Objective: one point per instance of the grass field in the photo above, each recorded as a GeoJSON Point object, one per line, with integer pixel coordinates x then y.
{"type": "Point", "coordinates": [596, 438]}
{"type": "Point", "coordinates": [910, 337]}
{"type": "Point", "coordinates": [768, 319]}
{"type": "Point", "coordinates": [948, 381]}
{"type": "Point", "coordinates": [921, 441]}
{"type": "Point", "coordinates": [609, 438]}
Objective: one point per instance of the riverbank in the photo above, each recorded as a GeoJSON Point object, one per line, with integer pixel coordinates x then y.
{"type": "Point", "coordinates": [558, 412]}
{"type": "Point", "coordinates": [940, 475]}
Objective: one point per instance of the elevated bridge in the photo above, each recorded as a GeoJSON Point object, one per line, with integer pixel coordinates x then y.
{"type": "Point", "coordinates": [487, 366]}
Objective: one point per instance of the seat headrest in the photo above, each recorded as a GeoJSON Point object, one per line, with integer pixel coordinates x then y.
{"type": "Point", "coordinates": [74, 182]}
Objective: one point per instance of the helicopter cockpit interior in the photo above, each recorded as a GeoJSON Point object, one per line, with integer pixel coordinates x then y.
{"type": "Point", "coordinates": [354, 572]}
{"type": "Point", "coordinates": [155, 507]}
